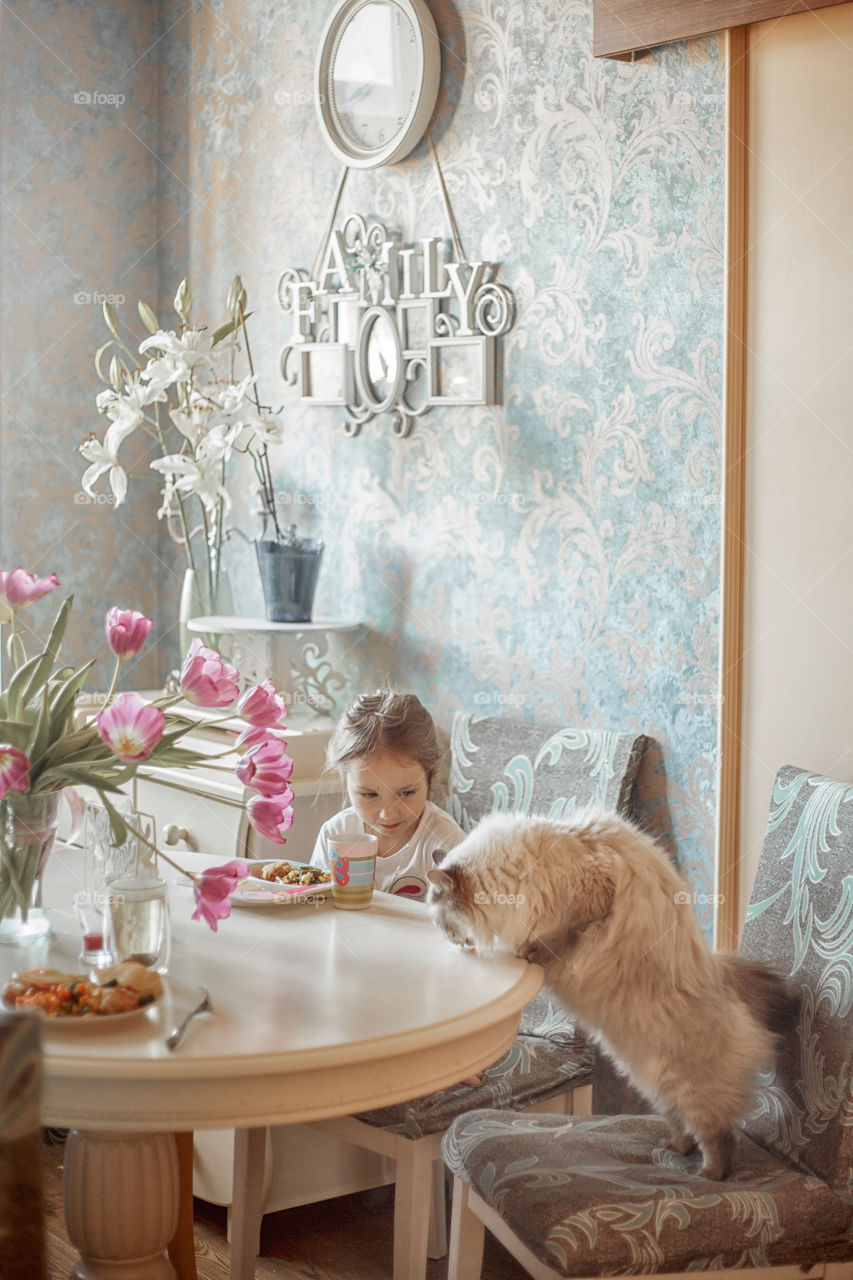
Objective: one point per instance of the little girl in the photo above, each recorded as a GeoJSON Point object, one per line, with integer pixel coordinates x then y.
{"type": "Point", "coordinates": [385, 748]}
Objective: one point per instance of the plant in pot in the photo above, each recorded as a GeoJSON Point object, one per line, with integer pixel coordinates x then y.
{"type": "Point", "coordinates": [197, 399]}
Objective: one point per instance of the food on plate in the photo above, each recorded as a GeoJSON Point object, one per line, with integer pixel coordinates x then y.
{"type": "Point", "coordinates": [121, 989]}
{"type": "Point", "coordinates": [291, 873]}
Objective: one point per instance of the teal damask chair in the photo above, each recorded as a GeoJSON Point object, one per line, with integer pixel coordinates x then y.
{"type": "Point", "coordinates": [603, 1195]}
{"type": "Point", "coordinates": [498, 764]}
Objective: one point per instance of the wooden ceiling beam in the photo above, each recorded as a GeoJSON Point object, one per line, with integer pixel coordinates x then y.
{"type": "Point", "coordinates": [625, 27]}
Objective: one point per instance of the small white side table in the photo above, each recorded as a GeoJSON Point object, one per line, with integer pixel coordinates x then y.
{"type": "Point", "coordinates": [306, 661]}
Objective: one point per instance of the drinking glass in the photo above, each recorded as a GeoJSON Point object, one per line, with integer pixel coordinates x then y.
{"type": "Point", "coordinates": [90, 917]}
{"type": "Point", "coordinates": [352, 861]}
{"type": "Point", "coordinates": [137, 920]}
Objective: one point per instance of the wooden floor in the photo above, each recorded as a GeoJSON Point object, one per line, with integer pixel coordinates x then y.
{"type": "Point", "coordinates": [344, 1239]}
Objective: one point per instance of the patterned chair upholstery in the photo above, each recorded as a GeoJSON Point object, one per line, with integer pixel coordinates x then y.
{"type": "Point", "coordinates": [22, 1241]}
{"type": "Point", "coordinates": [499, 764]}
{"type": "Point", "coordinates": [602, 1196]}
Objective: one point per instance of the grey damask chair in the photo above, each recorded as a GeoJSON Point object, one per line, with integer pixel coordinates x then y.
{"type": "Point", "coordinates": [498, 764]}
{"type": "Point", "coordinates": [603, 1195]}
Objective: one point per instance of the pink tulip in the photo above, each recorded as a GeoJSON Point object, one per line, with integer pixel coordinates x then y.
{"type": "Point", "coordinates": [266, 768]}
{"type": "Point", "coordinates": [253, 737]}
{"type": "Point", "coordinates": [130, 727]}
{"type": "Point", "coordinates": [126, 631]}
{"type": "Point", "coordinates": [271, 816]}
{"type": "Point", "coordinates": [262, 706]}
{"type": "Point", "coordinates": [14, 768]}
{"type": "Point", "coordinates": [213, 889]}
{"type": "Point", "coordinates": [18, 587]}
{"type": "Point", "coordinates": [206, 680]}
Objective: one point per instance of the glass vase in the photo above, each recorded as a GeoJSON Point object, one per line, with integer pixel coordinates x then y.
{"type": "Point", "coordinates": [196, 602]}
{"type": "Point", "coordinates": [27, 832]}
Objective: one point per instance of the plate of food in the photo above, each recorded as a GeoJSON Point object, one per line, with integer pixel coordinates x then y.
{"type": "Point", "coordinates": [103, 997]}
{"type": "Point", "coordinates": [279, 883]}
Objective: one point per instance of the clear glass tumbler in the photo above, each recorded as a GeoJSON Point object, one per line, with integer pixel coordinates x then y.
{"type": "Point", "coordinates": [137, 919]}
{"type": "Point", "coordinates": [90, 916]}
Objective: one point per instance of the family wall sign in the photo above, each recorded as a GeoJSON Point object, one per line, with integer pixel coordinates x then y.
{"type": "Point", "coordinates": [387, 328]}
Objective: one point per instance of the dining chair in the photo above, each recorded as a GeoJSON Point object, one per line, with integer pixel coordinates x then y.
{"type": "Point", "coordinates": [605, 1196]}
{"type": "Point", "coordinates": [22, 1238]}
{"type": "Point", "coordinates": [498, 764]}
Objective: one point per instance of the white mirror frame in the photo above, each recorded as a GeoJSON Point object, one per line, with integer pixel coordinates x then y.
{"type": "Point", "coordinates": [429, 50]}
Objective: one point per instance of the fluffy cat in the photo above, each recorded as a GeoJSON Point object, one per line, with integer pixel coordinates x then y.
{"type": "Point", "coordinates": [602, 909]}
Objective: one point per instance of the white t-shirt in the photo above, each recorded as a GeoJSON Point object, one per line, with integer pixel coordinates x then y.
{"type": "Point", "coordinates": [404, 872]}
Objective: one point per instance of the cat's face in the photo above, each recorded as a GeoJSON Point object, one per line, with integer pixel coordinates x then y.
{"type": "Point", "coordinates": [514, 880]}
{"type": "Point", "coordinates": [473, 894]}
{"type": "Point", "coordinates": [448, 904]}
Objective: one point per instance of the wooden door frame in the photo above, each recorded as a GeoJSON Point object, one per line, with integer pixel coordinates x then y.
{"type": "Point", "coordinates": [622, 28]}
{"type": "Point", "coordinates": [727, 916]}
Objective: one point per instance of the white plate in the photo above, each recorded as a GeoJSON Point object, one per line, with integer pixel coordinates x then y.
{"type": "Point", "coordinates": [102, 1020]}
{"type": "Point", "coordinates": [255, 892]}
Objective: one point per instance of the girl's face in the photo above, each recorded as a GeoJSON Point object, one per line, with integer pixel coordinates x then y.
{"type": "Point", "coordinates": [389, 794]}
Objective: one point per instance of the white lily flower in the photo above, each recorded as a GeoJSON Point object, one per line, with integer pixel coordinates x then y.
{"type": "Point", "coordinates": [104, 460]}
{"type": "Point", "coordinates": [188, 477]}
{"type": "Point", "coordinates": [162, 374]}
{"type": "Point", "coordinates": [191, 349]}
{"type": "Point", "coordinates": [127, 405]}
{"type": "Point", "coordinates": [230, 398]}
{"type": "Point", "coordinates": [193, 425]}
{"type": "Point", "coordinates": [218, 445]}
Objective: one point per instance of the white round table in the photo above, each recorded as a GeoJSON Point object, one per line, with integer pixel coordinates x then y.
{"type": "Point", "coordinates": [317, 1013]}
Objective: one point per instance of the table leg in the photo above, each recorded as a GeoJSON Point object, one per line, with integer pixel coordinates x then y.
{"type": "Point", "coordinates": [247, 1201]}
{"type": "Point", "coordinates": [121, 1203]}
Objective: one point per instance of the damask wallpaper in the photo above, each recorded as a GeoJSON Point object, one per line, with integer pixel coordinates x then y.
{"type": "Point", "coordinates": [554, 557]}
{"type": "Point", "coordinates": [80, 127]}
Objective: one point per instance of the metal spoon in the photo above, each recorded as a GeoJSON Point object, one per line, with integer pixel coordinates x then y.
{"type": "Point", "coordinates": [174, 1038]}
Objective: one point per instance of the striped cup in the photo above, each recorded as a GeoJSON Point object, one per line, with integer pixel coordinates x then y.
{"type": "Point", "coordinates": [352, 862]}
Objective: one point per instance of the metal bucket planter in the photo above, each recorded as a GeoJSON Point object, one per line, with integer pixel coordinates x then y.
{"type": "Point", "coordinates": [289, 577]}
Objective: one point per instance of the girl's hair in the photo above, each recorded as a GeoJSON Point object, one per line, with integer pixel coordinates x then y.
{"type": "Point", "coordinates": [398, 723]}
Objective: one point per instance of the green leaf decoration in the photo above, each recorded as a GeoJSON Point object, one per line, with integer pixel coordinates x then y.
{"type": "Point", "coordinates": [65, 690]}
{"type": "Point", "coordinates": [171, 736]}
{"type": "Point", "coordinates": [224, 330]}
{"type": "Point", "coordinates": [16, 733]}
{"type": "Point", "coordinates": [175, 755]}
{"type": "Point", "coordinates": [40, 735]}
{"type": "Point", "coordinates": [77, 741]}
{"type": "Point", "coordinates": [45, 661]}
{"type": "Point", "coordinates": [17, 685]}
{"type": "Point", "coordinates": [82, 777]}
{"type": "Point", "coordinates": [147, 316]}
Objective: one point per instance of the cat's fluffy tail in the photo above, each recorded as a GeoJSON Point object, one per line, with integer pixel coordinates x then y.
{"type": "Point", "coordinates": [769, 997]}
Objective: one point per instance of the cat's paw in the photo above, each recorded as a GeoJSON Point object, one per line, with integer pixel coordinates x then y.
{"type": "Point", "coordinates": [474, 1081]}
{"type": "Point", "coordinates": [534, 951]}
{"type": "Point", "coordinates": [717, 1152]}
{"type": "Point", "coordinates": [682, 1145]}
